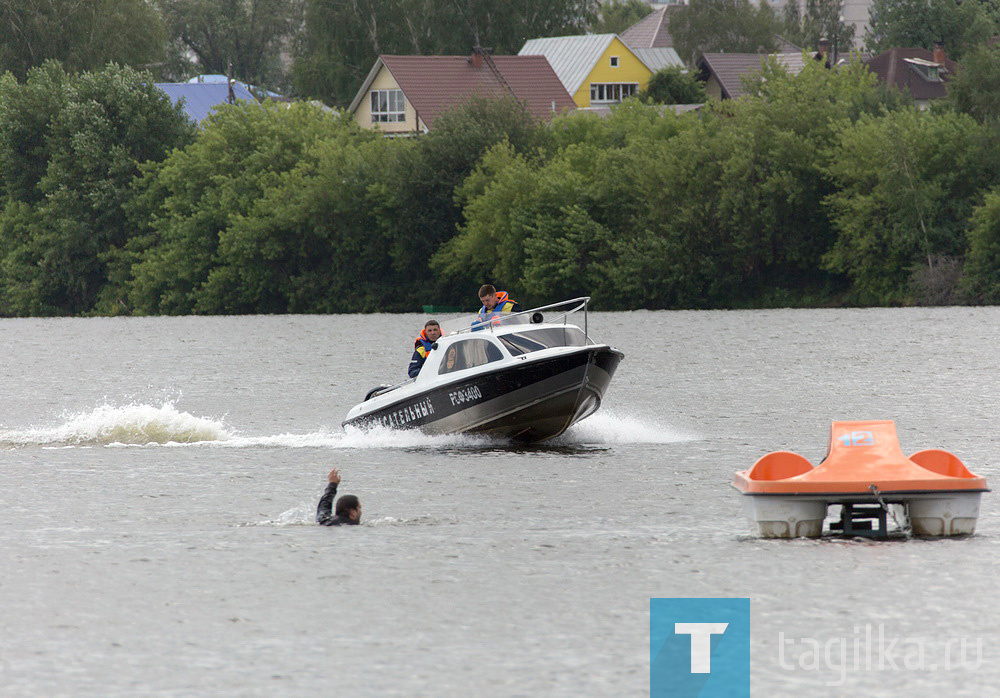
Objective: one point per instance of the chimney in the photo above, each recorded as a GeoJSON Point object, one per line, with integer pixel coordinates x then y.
{"type": "Point", "coordinates": [938, 55]}
{"type": "Point", "coordinates": [477, 58]}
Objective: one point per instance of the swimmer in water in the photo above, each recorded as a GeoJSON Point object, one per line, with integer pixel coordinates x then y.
{"type": "Point", "coordinates": [348, 511]}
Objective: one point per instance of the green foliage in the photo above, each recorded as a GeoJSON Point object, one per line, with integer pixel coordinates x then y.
{"type": "Point", "coordinates": [822, 20]}
{"type": "Point", "coordinates": [728, 26]}
{"type": "Point", "coordinates": [81, 35]}
{"type": "Point", "coordinates": [248, 35]}
{"type": "Point", "coordinates": [340, 41]}
{"type": "Point", "coordinates": [906, 23]}
{"type": "Point", "coordinates": [561, 227]}
{"type": "Point", "coordinates": [615, 16]}
{"type": "Point", "coordinates": [906, 186]}
{"type": "Point", "coordinates": [197, 203]}
{"type": "Point", "coordinates": [416, 207]}
{"type": "Point", "coordinates": [674, 85]}
{"type": "Point", "coordinates": [629, 122]}
{"type": "Point", "coordinates": [69, 149]}
{"type": "Point", "coordinates": [734, 204]}
{"type": "Point", "coordinates": [981, 274]}
{"type": "Point", "coordinates": [975, 90]}
{"type": "Point", "coordinates": [819, 187]}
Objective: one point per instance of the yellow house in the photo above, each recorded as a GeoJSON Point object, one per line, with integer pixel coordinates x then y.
{"type": "Point", "coordinates": [599, 69]}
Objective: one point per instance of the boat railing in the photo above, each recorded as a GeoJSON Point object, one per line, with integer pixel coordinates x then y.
{"type": "Point", "coordinates": [534, 316]}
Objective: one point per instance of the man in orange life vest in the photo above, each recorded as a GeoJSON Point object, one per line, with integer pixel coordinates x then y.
{"type": "Point", "coordinates": [495, 304]}
{"type": "Point", "coordinates": [422, 344]}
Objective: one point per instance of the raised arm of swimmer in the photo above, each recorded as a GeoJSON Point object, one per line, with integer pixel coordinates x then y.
{"type": "Point", "coordinates": [348, 511]}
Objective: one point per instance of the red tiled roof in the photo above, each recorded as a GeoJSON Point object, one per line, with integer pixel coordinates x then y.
{"type": "Point", "coordinates": [893, 70]}
{"type": "Point", "coordinates": [434, 84]}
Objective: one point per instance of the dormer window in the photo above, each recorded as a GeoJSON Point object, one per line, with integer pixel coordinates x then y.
{"type": "Point", "coordinates": [614, 61]}
{"type": "Point", "coordinates": [928, 70]}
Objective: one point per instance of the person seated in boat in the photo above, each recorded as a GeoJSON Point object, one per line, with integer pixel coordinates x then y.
{"type": "Point", "coordinates": [422, 346]}
{"type": "Point", "coordinates": [348, 512]}
{"type": "Point", "coordinates": [495, 303]}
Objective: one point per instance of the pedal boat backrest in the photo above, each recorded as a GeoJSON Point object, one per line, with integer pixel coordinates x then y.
{"type": "Point", "coordinates": [859, 455]}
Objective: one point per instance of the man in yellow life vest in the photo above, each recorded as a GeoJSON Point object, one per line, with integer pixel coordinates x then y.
{"type": "Point", "coordinates": [495, 304]}
{"type": "Point", "coordinates": [422, 345]}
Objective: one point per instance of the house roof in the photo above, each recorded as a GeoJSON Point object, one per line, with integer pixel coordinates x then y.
{"type": "Point", "coordinates": [653, 30]}
{"type": "Point", "coordinates": [434, 84]}
{"type": "Point", "coordinates": [728, 68]}
{"type": "Point", "coordinates": [901, 68]}
{"type": "Point", "coordinates": [658, 58]}
{"type": "Point", "coordinates": [572, 57]}
{"type": "Point", "coordinates": [200, 98]}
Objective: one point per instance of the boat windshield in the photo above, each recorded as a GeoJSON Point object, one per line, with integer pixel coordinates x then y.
{"type": "Point", "coordinates": [534, 340]}
{"type": "Point", "coordinates": [469, 353]}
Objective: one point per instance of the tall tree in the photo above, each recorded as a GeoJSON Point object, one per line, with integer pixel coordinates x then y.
{"type": "Point", "coordinates": [81, 34]}
{"type": "Point", "coordinates": [340, 40]}
{"type": "Point", "coordinates": [981, 275]}
{"type": "Point", "coordinates": [190, 202]}
{"type": "Point", "coordinates": [906, 183]}
{"type": "Point", "coordinates": [822, 19]}
{"type": "Point", "coordinates": [248, 35]}
{"type": "Point", "coordinates": [975, 90]}
{"type": "Point", "coordinates": [71, 147]}
{"type": "Point", "coordinates": [731, 26]}
{"type": "Point", "coordinates": [616, 16]}
{"type": "Point", "coordinates": [905, 23]}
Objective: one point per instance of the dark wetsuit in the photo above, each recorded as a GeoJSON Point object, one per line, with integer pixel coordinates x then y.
{"type": "Point", "coordinates": [324, 517]}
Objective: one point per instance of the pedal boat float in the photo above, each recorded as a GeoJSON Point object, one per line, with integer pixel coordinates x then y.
{"type": "Point", "coordinates": [526, 377]}
{"type": "Point", "coordinates": [864, 471]}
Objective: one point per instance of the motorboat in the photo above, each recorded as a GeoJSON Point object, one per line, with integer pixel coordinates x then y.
{"type": "Point", "coordinates": [866, 473]}
{"type": "Point", "coordinates": [525, 376]}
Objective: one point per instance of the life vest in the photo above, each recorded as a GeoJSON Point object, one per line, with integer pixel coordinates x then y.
{"type": "Point", "coordinates": [504, 305]}
{"type": "Point", "coordinates": [421, 344]}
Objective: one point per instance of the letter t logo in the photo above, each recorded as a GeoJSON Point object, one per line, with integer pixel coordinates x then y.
{"type": "Point", "coordinates": [701, 643]}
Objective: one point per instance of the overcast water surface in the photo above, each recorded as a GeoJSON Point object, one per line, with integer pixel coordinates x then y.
{"type": "Point", "coordinates": [159, 477]}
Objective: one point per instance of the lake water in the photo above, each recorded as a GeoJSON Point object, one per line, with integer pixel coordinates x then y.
{"type": "Point", "coordinates": [159, 477]}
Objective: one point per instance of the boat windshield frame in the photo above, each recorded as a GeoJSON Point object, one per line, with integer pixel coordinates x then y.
{"type": "Point", "coordinates": [525, 317]}
{"type": "Point", "coordinates": [534, 316]}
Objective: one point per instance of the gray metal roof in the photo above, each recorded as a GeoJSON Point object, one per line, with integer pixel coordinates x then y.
{"type": "Point", "coordinates": [658, 58]}
{"type": "Point", "coordinates": [572, 57]}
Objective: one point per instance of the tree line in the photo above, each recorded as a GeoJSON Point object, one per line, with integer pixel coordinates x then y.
{"type": "Point", "coordinates": [817, 189]}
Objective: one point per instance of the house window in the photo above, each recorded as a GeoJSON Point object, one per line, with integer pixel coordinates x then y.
{"type": "Point", "coordinates": [614, 61]}
{"type": "Point", "coordinates": [388, 105]}
{"type": "Point", "coordinates": [611, 92]}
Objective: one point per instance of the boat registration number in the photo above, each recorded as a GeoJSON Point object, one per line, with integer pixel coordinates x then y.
{"type": "Point", "coordinates": [463, 395]}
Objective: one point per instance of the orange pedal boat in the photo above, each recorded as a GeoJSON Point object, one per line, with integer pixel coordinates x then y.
{"type": "Point", "coordinates": [864, 471]}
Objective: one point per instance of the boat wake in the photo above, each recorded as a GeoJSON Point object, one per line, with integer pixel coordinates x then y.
{"type": "Point", "coordinates": [129, 425]}
{"type": "Point", "coordinates": [611, 428]}
{"type": "Point", "coordinates": [144, 425]}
